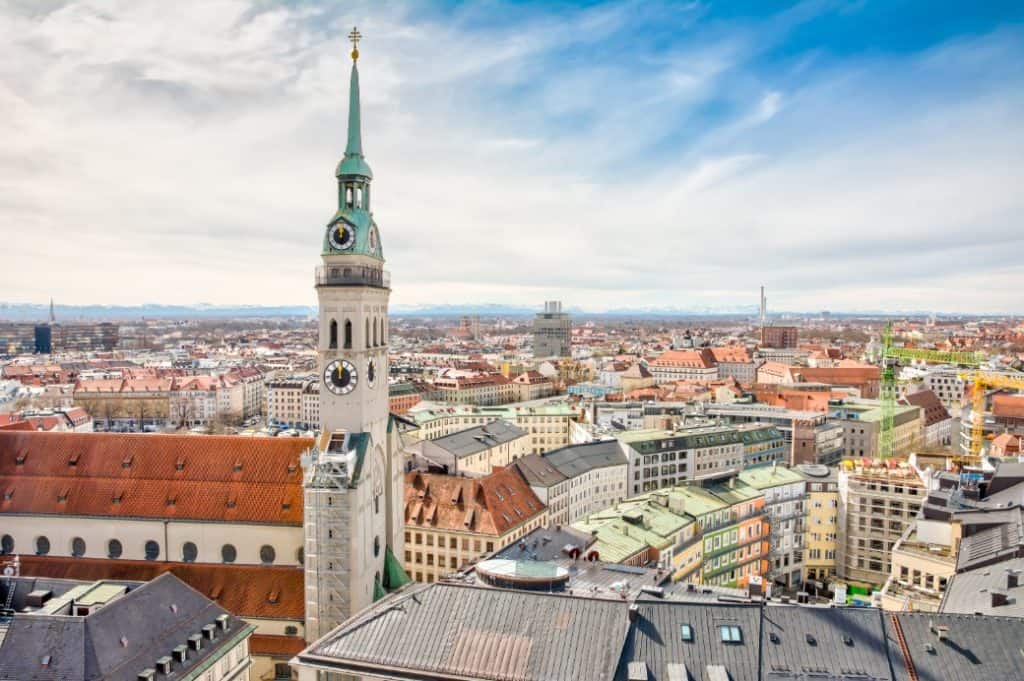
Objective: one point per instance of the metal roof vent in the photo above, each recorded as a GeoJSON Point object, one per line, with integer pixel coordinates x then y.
{"type": "Point", "coordinates": [209, 631]}
{"type": "Point", "coordinates": [146, 675]}
{"type": "Point", "coordinates": [195, 641]}
{"type": "Point", "coordinates": [223, 621]}
{"type": "Point", "coordinates": [180, 653]}
{"type": "Point", "coordinates": [163, 665]}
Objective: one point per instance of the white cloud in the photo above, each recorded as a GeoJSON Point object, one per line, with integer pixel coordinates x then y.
{"type": "Point", "coordinates": [183, 152]}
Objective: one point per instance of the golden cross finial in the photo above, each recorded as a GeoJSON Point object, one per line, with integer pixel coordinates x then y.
{"type": "Point", "coordinates": [355, 36]}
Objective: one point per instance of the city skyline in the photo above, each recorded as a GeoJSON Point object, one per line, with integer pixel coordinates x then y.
{"type": "Point", "coordinates": [845, 166]}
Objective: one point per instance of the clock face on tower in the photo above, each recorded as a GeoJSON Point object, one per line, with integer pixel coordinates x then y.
{"type": "Point", "coordinates": [340, 377]}
{"type": "Point", "coordinates": [371, 373]}
{"type": "Point", "coordinates": [342, 236]}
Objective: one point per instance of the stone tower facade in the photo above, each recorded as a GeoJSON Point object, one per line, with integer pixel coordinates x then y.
{"type": "Point", "coordinates": [354, 475]}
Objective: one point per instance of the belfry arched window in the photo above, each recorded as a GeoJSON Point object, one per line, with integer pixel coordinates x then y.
{"type": "Point", "coordinates": [374, 333]}
{"type": "Point", "coordinates": [367, 337]}
{"type": "Point", "coordinates": [348, 195]}
{"type": "Point", "coordinates": [348, 333]}
{"type": "Point", "coordinates": [333, 343]}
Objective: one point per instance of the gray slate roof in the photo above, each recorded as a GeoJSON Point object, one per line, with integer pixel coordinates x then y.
{"type": "Point", "coordinates": [991, 544]}
{"type": "Point", "coordinates": [538, 471]}
{"type": "Point", "coordinates": [845, 643]}
{"type": "Point", "coordinates": [655, 639]}
{"type": "Point", "coordinates": [447, 629]}
{"type": "Point", "coordinates": [479, 438]}
{"type": "Point", "coordinates": [576, 460]}
{"type": "Point", "coordinates": [977, 648]}
{"type": "Point", "coordinates": [971, 592]}
{"type": "Point", "coordinates": [91, 648]}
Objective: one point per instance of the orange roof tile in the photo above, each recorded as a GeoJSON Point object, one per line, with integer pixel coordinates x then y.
{"type": "Point", "coordinates": [244, 590]}
{"type": "Point", "coordinates": [221, 478]}
{"type": "Point", "coordinates": [492, 505]}
{"type": "Point", "coordinates": [276, 646]}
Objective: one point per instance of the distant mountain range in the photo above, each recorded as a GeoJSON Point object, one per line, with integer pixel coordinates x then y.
{"type": "Point", "coordinates": [21, 312]}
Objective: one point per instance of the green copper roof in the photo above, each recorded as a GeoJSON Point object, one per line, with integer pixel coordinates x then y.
{"type": "Point", "coordinates": [394, 575]}
{"type": "Point", "coordinates": [378, 590]}
{"type": "Point", "coordinates": [353, 163]}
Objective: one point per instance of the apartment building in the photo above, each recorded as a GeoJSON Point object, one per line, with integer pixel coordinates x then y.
{"type": "Point", "coordinates": [532, 385]}
{"type": "Point", "coordinates": [923, 562]}
{"type": "Point", "coordinates": [473, 451]}
{"type": "Point", "coordinates": [938, 423]}
{"type": "Point", "coordinates": [821, 525]}
{"type": "Point", "coordinates": [451, 521]}
{"type": "Point", "coordinates": [480, 389]}
{"type": "Point", "coordinates": [402, 397]}
{"type": "Point", "coordinates": [808, 436]}
{"type": "Point", "coordinates": [662, 458]}
{"type": "Point", "coordinates": [552, 331]}
{"type": "Point", "coordinates": [877, 502]}
{"type": "Point", "coordinates": [293, 402]}
{"type": "Point", "coordinates": [947, 385]}
{"type": "Point", "coordinates": [733, 361]}
{"type": "Point", "coordinates": [684, 365]}
{"type": "Point", "coordinates": [861, 422]}
{"type": "Point", "coordinates": [779, 336]}
{"type": "Point", "coordinates": [577, 480]}
{"type": "Point", "coordinates": [549, 425]}
{"type": "Point", "coordinates": [785, 501]}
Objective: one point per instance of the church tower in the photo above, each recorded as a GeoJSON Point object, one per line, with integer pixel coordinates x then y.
{"type": "Point", "coordinates": [353, 477]}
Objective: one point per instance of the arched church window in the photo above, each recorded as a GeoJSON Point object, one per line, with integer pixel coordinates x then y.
{"type": "Point", "coordinates": [114, 548]}
{"type": "Point", "coordinates": [77, 547]}
{"type": "Point", "coordinates": [348, 333]}
{"type": "Point", "coordinates": [189, 552]}
{"type": "Point", "coordinates": [7, 544]}
{"type": "Point", "coordinates": [359, 197]}
{"type": "Point", "coordinates": [152, 550]}
{"type": "Point", "coordinates": [228, 553]}
{"type": "Point", "coordinates": [42, 546]}
{"type": "Point", "coordinates": [367, 332]}
{"type": "Point", "coordinates": [300, 556]}
{"type": "Point", "coordinates": [334, 335]}
{"type": "Point", "coordinates": [374, 333]}
{"type": "Point", "coordinates": [348, 195]}
{"type": "Point", "coordinates": [267, 554]}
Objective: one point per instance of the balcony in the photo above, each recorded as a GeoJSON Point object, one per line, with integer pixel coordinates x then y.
{"type": "Point", "coordinates": [352, 275]}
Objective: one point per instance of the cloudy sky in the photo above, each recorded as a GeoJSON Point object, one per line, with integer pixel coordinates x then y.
{"type": "Point", "coordinates": [847, 155]}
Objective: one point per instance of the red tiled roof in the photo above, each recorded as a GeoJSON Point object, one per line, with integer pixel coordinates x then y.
{"type": "Point", "coordinates": [731, 353]}
{"type": "Point", "coordinates": [491, 505]}
{"type": "Point", "coordinates": [276, 646]}
{"type": "Point", "coordinates": [702, 359]}
{"type": "Point", "coordinates": [246, 590]}
{"type": "Point", "coordinates": [934, 411]}
{"type": "Point", "coordinates": [1008, 406]}
{"type": "Point", "coordinates": [220, 478]}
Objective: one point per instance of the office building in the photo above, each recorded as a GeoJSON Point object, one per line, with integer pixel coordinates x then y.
{"type": "Point", "coordinates": [552, 331]}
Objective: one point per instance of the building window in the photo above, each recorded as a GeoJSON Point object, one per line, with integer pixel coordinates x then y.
{"type": "Point", "coordinates": [376, 546]}
{"type": "Point", "coordinates": [228, 553]}
{"type": "Point", "coordinates": [42, 546]}
{"type": "Point", "coordinates": [7, 544]}
{"type": "Point", "coordinates": [189, 552]}
{"type": "Point", "coordinates": [348, 333]}
{"type": "Point", "coordinates": [77, 547]}
{"type": "Point", "coordinates": [267, 554]}
{"type": "Point", "coordinates": [300, 556]}
{"type": "Point", "coordinates": [114, 549]}
{"type": "Point", "coordinates": [333, 342]}
{"type": "Point", "coordinates": [152, 550]}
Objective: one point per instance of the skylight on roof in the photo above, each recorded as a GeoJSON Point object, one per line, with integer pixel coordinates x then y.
{"type": "Point", "coordinates": [686, 633]}
{"type": "Point", "coordinates": [730, 633]}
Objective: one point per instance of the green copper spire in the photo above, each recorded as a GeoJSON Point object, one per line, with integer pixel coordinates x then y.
{"type": "Point", "coordinates": [353, 163]}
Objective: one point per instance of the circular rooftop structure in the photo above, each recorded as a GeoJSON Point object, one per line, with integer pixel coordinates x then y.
{"type": "Point", "coordinates": [522, 574]}
{"type": "Point", "coordinates": [815, 470]}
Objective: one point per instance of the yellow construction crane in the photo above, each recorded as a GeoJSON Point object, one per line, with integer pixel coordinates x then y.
{"type": "Point", "coordinates": [982, 381]}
